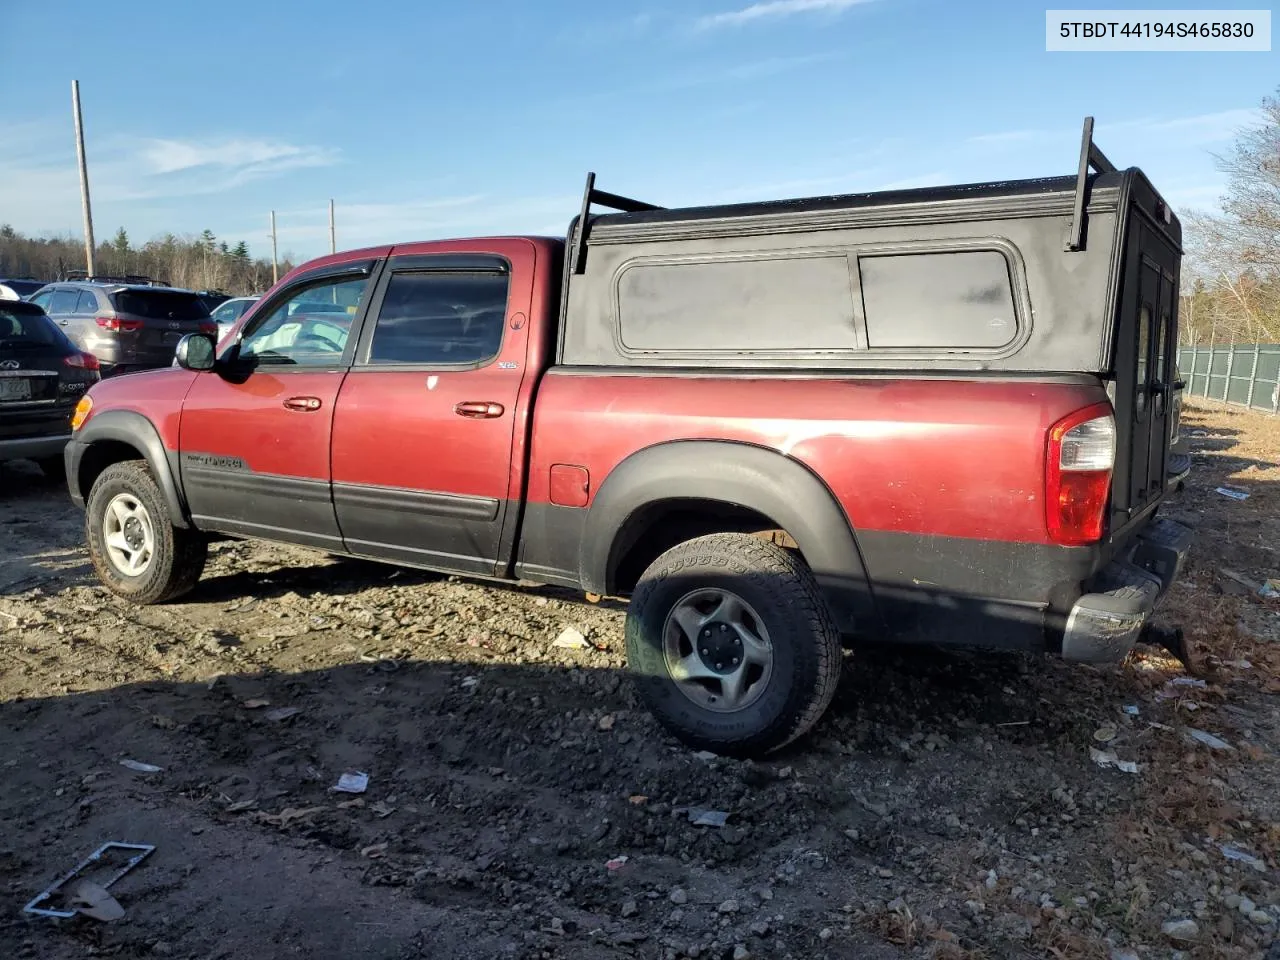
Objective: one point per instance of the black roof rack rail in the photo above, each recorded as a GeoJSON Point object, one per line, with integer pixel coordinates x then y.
{"type": "Point", "coordinates": [80, 276]}
{"type": "Point", "coordinates": [617, 202]}
{"type": "Point", "coordinates": [1090, 156]}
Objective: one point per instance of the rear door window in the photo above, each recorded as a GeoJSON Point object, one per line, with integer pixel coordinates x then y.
{"type": "Point", "coordinates": [64, 301]}
{"type": "Point", "coordinates": [160, 305]}
{"type": "Point", "coordinates": [440, 319]}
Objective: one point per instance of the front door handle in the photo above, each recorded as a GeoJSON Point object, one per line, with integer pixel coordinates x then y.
{"type": "Point", "coordinates": [302, 404]}
{"type": "Point", "coordinates": [478, 410]}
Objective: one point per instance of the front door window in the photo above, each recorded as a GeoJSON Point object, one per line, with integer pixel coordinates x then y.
{"type": "Point", "coordinates": [309, 329]}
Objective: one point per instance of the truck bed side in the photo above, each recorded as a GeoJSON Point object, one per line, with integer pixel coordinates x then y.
{"type": "Point", "coordinates": [941, 481]}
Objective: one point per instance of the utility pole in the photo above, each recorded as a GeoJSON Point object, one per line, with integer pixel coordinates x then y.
{"type": "Point", "coordinates": [275, 264]}
{"type": "Point", "coordinates": [84, 179]}
{"type": "Point", "coordinates": [333, 236]}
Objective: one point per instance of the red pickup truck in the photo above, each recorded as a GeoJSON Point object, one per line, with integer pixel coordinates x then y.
{"type": "Point", "coordinates": [937, 415]}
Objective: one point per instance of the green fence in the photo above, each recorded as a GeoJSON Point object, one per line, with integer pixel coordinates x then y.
{"type": "Point", "coordinates": [1245, 375]}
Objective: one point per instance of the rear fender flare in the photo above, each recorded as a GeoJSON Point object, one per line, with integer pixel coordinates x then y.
{"type": "Point", "coordinates": [763, 480]}
{"type": "Point", "coordinates": [127, 426]}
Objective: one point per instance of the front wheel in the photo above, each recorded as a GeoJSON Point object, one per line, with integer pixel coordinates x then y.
{"type": "Point", "coordinates": [732, 645]}
{"type": "Point", "coordinates": [137, 552]}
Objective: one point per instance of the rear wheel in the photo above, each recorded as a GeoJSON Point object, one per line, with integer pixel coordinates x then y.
{"type": "Point", "coordinates": [732, 646]}
{"type": "Point", "coordinates": [137, 552]}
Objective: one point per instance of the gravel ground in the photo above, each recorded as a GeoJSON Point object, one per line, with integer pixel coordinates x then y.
{"type": "Point", "coordinates": [521, 804]}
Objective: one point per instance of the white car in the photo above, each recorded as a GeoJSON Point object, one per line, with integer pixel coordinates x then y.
{"type": "Point", "coordinates": [229, 311]}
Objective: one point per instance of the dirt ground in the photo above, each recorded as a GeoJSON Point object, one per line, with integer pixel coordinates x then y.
{"type": "Point", "coordinates": [521, 805]}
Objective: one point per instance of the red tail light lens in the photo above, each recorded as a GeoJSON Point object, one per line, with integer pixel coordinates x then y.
{"type": "Point", "coordinates": [210, 328]}
{"type": "Point", "coordinates": [82, 361]}
{"type": "Point", "coordinates": [118, 326]}
{"type": "Point", "coordinates": [1079, 463]}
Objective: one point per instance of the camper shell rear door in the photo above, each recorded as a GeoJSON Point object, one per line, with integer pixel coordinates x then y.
{"type": "Point", "coordinates": [1144, 352]}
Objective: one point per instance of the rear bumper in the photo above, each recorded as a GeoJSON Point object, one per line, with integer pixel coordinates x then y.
{"type": "Point", "coordinates": [1103, 626]}
{"type": "Point", "coordinates": [33, 448]}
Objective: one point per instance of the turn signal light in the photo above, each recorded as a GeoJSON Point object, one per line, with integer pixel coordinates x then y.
{"type": "Point", "coordinates": [1079, 463]}
{"type": "Point", "coordinates": [82, 412]}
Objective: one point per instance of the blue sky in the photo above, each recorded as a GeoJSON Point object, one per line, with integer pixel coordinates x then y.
{"type": "Point", "coordinates": [430, 119]}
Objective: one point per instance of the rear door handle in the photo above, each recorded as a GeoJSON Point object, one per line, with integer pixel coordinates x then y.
{"type": "Point", "coordinates": [303, 404]}
{"type": "Point", "coordinates": [478, 409]}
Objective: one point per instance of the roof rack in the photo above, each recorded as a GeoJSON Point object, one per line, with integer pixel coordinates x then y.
{"type": "Point", "coordinates": [589, 196]}
{"type": "Point", "coordinates": [1090, 156]}
{"type": "Point", "coordinates": [133, 279]}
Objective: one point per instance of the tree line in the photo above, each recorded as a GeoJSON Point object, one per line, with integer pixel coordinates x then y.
{"type": "Point", "coordinates": [200, 262]}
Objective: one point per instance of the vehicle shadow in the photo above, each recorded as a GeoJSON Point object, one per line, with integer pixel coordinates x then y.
{"type": "Point", "coordinates": [21, 480]}
{"type": "Point", "coordinates": [331, 575]}
{"type": "Point", "coordinates": [488, 784]}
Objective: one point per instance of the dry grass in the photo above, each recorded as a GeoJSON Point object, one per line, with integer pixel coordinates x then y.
{"type": "Point", "coordinates": [1192, 798]}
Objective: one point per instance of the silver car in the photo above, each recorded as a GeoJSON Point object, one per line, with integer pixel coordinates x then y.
{"type": "Point", "coordinates": [228, 312]}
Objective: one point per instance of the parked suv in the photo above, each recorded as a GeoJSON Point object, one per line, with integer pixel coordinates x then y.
{"type": "Point", "coordinates": [126, 326]}
{"type": "Point", "coordinates": [42, 376]}
{"type": "Point", "coordinates": [931, 416]}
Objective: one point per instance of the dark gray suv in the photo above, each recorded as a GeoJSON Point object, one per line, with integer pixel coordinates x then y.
{"type": "Point", "coordinates": [126, 326]}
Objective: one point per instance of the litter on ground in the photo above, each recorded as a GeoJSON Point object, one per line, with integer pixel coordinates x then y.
{"type": "Point", "coordinates": [352, 783]}
{"type": "Point", "coordinates": [1107, 758]}
{"type": "Point", "coordinates": [1208, 739]}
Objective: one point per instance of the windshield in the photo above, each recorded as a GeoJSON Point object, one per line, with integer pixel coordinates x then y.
{"type": "Point", "coordinates": [26, 328]}
{"type": "Point", "coordinates": [160, 305]}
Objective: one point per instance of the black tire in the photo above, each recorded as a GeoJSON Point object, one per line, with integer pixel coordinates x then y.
{"type": "Point", "coordinates": [784, 596]}
{"type": "Point", "coordinates": [53, 468]}
{"type": "Point", "coordinates": [177, 556]}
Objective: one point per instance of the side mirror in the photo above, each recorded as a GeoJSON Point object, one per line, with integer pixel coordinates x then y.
{"type": "Point", "coordinates": [195, 351]}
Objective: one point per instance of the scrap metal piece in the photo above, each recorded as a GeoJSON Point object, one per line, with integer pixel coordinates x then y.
{"type": "Point", "coordinates": [144, 850]}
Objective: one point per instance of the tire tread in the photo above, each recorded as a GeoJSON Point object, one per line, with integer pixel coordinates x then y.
{"type": "Point", "coordinates": [785, 573]}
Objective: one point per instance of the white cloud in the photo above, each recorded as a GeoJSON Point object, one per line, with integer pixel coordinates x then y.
{"type": "Point", "coordinates": [171, 156]}
{"type": "Point", "coordinates": [776, 10]}
{"type": "Point", "coordinates": [1196, 130]}
{"type": "Point", "coordinates": [132, 179]}
{"type": "Point", "coordinates": [1008, 136]}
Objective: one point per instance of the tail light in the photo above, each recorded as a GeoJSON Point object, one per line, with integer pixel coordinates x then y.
{"type": "Point", "coordinates": [1079, 462]}
{"type": "Point", "coordinates": [118, 326]}
{"type": "Point", "coordinates": [82, 361]}
{"type": "Point", "coordinates": [210, 328]}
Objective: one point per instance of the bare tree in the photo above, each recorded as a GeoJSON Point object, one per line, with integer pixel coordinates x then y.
{"type": "Point", "coordinates": [1235, 253]}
